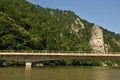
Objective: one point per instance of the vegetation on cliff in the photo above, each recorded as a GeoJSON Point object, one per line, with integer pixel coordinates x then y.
{"type": "Point", "coordinates": [24, 26]}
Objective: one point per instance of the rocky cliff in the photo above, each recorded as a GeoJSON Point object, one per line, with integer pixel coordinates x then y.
{"type": "Point", "coordinates": [97, 40]}
{"type": "Point", "coordinates": [25, 26]}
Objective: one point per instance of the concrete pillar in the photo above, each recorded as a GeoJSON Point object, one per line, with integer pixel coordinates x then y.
{"type": "Point", "coordinates": [28, 65]}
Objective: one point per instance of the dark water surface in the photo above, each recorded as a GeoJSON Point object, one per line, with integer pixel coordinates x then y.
{"type": "Point", "coordinates": [60, 73]}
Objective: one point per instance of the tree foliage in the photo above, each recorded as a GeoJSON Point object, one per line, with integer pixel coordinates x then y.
{"type": "Point", "coordinates": [24, 26]}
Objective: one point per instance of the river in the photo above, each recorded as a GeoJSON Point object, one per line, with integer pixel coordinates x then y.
{"type": "Point", "coordinates": [60, 73]}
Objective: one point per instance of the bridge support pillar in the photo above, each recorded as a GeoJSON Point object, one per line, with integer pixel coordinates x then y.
{"type": "Point", "coordinates": [28, 65]}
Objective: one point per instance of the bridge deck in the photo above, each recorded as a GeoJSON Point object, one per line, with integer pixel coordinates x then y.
{"type": "Point", "coordinates": [59, 54]}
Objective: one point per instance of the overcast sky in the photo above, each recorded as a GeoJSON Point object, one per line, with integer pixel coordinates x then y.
{"type": "Point", "coordinates": [105, 13]}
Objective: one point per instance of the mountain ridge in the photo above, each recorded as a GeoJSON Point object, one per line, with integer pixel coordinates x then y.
{"type": "Point", "coordinates": [24, 26]}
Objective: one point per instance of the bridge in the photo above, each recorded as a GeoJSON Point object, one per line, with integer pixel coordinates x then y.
{"type": "Point", "coordinates": [40, 56]}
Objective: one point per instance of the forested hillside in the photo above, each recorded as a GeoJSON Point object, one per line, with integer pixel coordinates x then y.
{"type": "Point", "coordinates": [24, 26]}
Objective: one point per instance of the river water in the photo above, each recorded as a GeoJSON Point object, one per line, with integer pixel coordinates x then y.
{"type": "Point", "coordinates": [60, 73]}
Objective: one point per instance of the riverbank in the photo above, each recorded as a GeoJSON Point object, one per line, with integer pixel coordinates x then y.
{"type": "Point", "coordinates": [64, 63]}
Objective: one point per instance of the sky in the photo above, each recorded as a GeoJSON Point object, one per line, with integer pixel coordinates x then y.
{"type": "Point", "coordinates": [105, 13]}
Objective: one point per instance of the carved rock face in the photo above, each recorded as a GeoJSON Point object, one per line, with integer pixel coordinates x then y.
{"type": "Point", "coordinates": [97, 41]}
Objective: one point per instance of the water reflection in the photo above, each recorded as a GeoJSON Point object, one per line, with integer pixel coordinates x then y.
{"type": "Point", "coordinates": [61, 73]}
{"type": "Point", "coordinates": [101, 73]}
{"type": "Point", "coordinates": [71, 73]}
{"type": "Point", "coordinates": [27, 74]}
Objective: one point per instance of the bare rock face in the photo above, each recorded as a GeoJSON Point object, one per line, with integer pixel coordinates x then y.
{"type": "Point", "coordinates": [77, 26]}
{"type": "Point", "coordinates": [97, 41]}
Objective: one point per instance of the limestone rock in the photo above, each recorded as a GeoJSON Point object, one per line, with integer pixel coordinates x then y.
{"type": "Point", "coordinates": [52, 12]}
{"type": "Point", "coordinates": [97, 41]}
{"type": "Point", "coordinates": [77, 26]}
{"type": "Point", "coordinates": [78, 21]}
